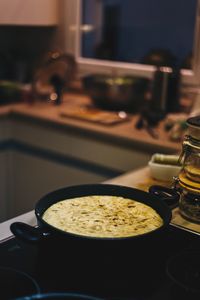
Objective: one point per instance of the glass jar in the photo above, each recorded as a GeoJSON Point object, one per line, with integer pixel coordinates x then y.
{"type": "Point", "coordinates": [189, 176]}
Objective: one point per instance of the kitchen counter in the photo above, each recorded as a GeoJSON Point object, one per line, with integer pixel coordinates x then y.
{"type": "Point", "coordinates": [39, 129]}
{"type": "Point", "coordinates": [62, 150]}
{"type": "Point", "coordinates": [135, 179]}
{"type": "Point", "coordinates": [121, 133]}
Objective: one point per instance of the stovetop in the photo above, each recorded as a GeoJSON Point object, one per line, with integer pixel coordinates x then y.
{"type": "Point", "coordinates": [135, 273]}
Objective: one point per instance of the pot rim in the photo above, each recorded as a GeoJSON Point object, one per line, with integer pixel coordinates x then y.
{"type": "Point", "coordinates": [39, 213]}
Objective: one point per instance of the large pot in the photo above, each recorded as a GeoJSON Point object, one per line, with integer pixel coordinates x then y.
{"type": "Point", "coordinates": [116, 92]}
{"type": "Point", "coordinates": [80, 253]}
{"type": "Point", "coordinates": [45, 232]}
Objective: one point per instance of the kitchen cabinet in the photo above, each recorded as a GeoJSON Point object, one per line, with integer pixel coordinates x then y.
{"type": "Point", "coordinates": [94, 151]}
{"type": "Point", "coordinates": [5, 131]}
{"type": "Point", "coordinates": [3, 184]}
{"type": "Point", "coordinates": [5, 134]}
{"type": "Point", "coordinates": [41, 152]}
{"type": "Point", "coordinates": [44, 158]}
{"type": "Point", "coordinates": [38, 159]}
{"type": "Point", "coordinates": [29, 12]}
{"type": "Point", "coordinates": [34, 175]}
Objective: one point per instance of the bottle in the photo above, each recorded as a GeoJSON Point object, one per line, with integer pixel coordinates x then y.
{"type": "Point", "coordinates": [165, 90]}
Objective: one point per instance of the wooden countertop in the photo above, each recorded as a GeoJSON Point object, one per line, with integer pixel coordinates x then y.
{"type": "Point", "coordinates": [122, 133]}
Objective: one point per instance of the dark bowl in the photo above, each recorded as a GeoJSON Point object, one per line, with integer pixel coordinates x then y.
{"type": "Point", "coordinates": [116, 92]}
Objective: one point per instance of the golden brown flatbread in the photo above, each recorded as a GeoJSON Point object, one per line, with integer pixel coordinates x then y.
{"type": "Point", "coordinates": [103, 216]}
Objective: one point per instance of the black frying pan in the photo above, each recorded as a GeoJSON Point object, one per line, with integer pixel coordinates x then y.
{"type": "Point", "coordinates": [96, 263]}
{"type": "Point", "coordinates": [45, 231]}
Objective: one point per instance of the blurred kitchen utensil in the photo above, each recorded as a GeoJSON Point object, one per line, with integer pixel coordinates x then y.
{"type": "Point", "coordinates": [166, 90]}
{"type": "Point", "coordinates": [149, 120]}
{"type": "Point", "coordinates": [54, 76]}
{"type": "Point", "coordinates": [10, 92]}
{"type": "Point", "coordinates": [116, 92]}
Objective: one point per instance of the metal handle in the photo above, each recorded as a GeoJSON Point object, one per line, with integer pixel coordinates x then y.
{"type": "Point", "coordinates": [27, 233]}
{"type": "Point", "coordinates": [168, 195]}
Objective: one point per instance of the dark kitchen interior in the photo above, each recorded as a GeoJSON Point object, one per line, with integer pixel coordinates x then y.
{"type": "Point", "coordinates": [99, 102]}
{"type": "Point", "coordinates": [19, 56]}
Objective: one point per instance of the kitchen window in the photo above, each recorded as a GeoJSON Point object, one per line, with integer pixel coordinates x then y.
{"type": "Point", "coordinates": [130, 32]}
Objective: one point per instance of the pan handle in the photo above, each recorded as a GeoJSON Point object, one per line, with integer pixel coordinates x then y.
{"type": "Point", "coordinates": [27, 233]}
{"type": "Point", "coordinates": [169, 195]}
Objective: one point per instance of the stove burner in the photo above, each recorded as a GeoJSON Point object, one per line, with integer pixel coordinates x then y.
{"type": "Point", "coordinates": [176, 292]}
{"type": "Point", "coordinates": [184, 271]}
{"type": "Point", "coordinates": [15, 283]}
{"type": "Point", "coordinates": [58, 296]}
{"type": "Point", "coordinates": [150, 282]}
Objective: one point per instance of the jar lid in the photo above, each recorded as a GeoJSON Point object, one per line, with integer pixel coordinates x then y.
{"type": "Point", "coordinates": [194, 127]}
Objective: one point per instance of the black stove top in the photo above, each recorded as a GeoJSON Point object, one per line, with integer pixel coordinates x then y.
{"type": "Point", "coordinates": [143, 274]}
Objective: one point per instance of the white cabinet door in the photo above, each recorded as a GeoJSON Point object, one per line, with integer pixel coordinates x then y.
{"type": "Point", "coordinates": [29, 12]}
{"type": "Point", "coordinates": [34, 176]}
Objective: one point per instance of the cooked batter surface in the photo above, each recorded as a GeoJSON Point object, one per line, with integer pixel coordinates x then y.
{"type": "Point", "coordinates": [103, 216]}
